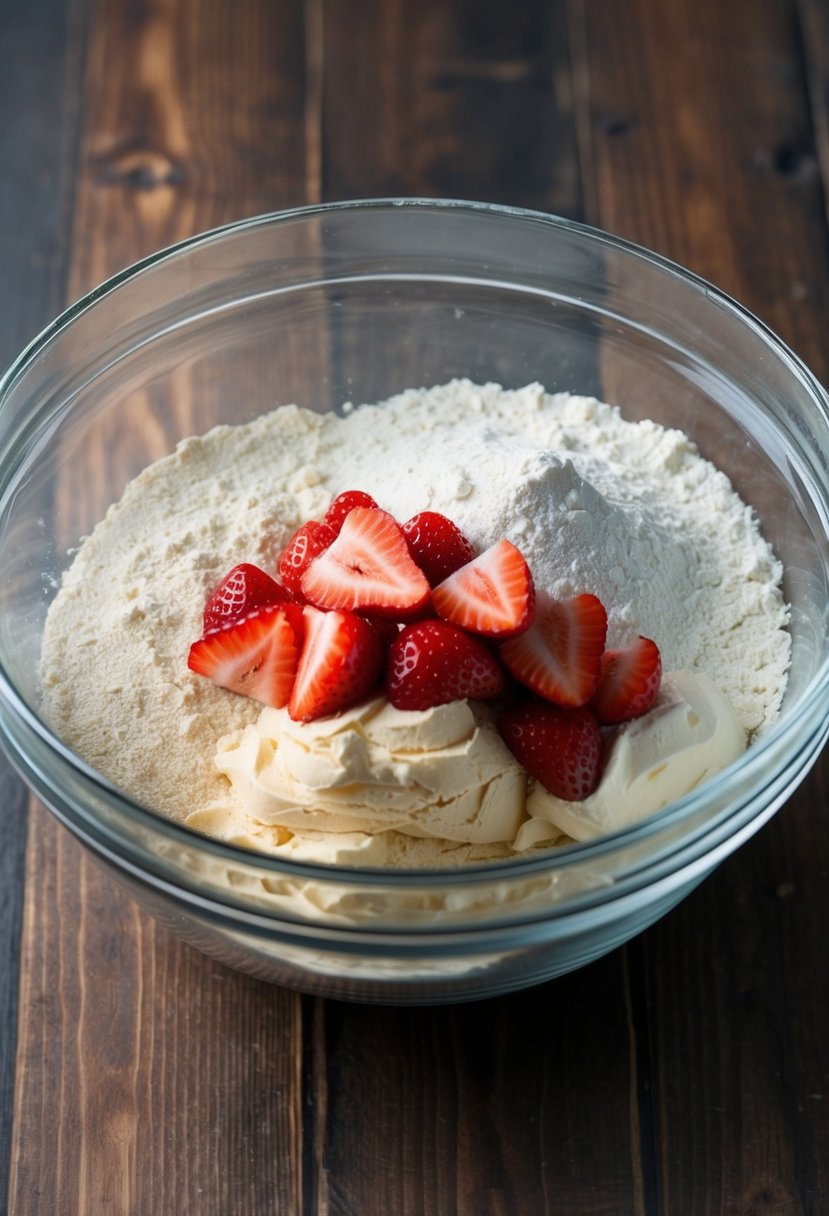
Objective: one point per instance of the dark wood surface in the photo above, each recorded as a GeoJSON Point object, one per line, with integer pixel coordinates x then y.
{"type": "Point", "coordinates": [685, 1073]}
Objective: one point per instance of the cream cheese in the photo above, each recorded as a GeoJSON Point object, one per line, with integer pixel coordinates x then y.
{"type": "Point", "coordinates": [691, 733]}
{"type": "Point", "coordinates": [329, 790]}
{"type": "Point", "coordinates": [440, 772]}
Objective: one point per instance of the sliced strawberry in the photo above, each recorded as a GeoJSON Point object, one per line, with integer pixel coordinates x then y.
{"type": "Point", "coordinates": [341, 661]}
{"type": "Point", "coordinates": [559, 656]}
{"type": "Point", "coordinates": [432, 662]}
{"type": "Point", "coordinates": [437, 545]}
{"type": "Point", "coordinates": [367, 568]}
{"type": "Point", "coordinates": [629, 682]}
{"type": "Point", "coordinates": [256, 657]}
{"type": "Point", "coordinates": [243, 590]}
{"type": "Point", "coordinates": [344, 503]}
{"type": "Point", "coordinates": [561, 748]}
{"type": "Point", "coordinates": [492, 595]}
{"type": "Point", "coordinates": [306, 543]}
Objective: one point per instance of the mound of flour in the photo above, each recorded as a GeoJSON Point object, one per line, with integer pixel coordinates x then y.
{"type": "Point", "coordinates": [628, 511]}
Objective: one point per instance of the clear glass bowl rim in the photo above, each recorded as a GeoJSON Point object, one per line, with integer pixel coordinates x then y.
{"type": "Point", "coordinates": [740, 776]}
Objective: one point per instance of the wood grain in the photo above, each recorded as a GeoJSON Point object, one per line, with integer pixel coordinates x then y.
{"type": "Point", "coordinates": [694, 131]}
{"type": "Point", "coordinates": [449, 100]}
{"type": "Point", "coordinates": [696, 141]}
{"type": "Point", "coordinates": [159, 1080]}
{"type": "Point", "coordinates": [518, 1106]}
{"type": "Point", "coordinates": [37, 85]}
{"type": "Point", "coordinates": [814, 31]}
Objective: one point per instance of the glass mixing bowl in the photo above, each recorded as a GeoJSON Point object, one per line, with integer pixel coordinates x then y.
{"type": "Point", "coordinates": [356, 301]}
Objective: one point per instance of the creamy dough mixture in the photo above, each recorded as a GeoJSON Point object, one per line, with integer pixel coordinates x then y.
{"type": "Point", "coordinates": [628, 511]}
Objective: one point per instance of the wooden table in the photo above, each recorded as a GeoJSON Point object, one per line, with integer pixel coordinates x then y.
{"type": "Point", "coordinates": [685, 1073]}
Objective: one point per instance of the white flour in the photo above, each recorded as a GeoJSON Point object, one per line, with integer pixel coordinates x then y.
{"type": "Point", "coordinates": [628, 511]}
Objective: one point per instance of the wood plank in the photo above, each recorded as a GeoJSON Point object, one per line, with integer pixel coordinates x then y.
{"type": "Point", "coordinates": [518, 1105]}
{"type": "Point", "coordinates": [450, 101]}
{"type": "Point", "coordinates": [707, 164]}
{"type": "Point", "coordinates": [149, 1078]}
{"type": "Point", "coordinates": [37, 85]}
{"type": "Point", "coordinates": [814, 26]}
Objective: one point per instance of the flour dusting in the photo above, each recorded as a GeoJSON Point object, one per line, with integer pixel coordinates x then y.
{"type": "Point", "coordinates": [628, 511]}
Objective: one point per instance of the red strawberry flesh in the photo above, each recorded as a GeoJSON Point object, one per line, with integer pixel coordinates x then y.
{"type": "Point", "coordinates": [561, 748]}
{"type": "Point", "coordinates": [256, 657]}
{"type": "Point", "coordinates": [492, 595]}
{"type": "Point", "coordinates": [341, 662]}
{"type": "Point", "coordinates": [243, 590]}
{"type": "Point", "coordinates": [367, 569]}
{"type": "Point", "coordinates": [437, 545]}
{"type": "Point", "coordinates": [432, 662]}
{"type": "Point", "coordinates": [629, 682]}
{"type": "Point", "coordinates": [559, 656]}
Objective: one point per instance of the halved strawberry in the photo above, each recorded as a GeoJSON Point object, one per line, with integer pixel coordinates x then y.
{"type": "Point", "coordinates": [343, 503]}
{"type": "Point", "coordinates": [367, 568]}
{"type": "Point", "coordinates": [341, 661]}
{"type": "Point", "coordinates": [437, 545]}
{"type": "Point", "coordinates": [561, 748]}
{"type": "Point", "coordinates": [432, 662]}
{"type": "Point", "coordinates": [306, 543]}
{"type": "Point", "coordinates": [492, 595]}
{"type": "Point", "coordinates": [243, 590]}
{"type": "Point", "coordinates": [256, 657]}
{"type": "Point", "coordinates": [559, 656]}
{"type": "Point", "coordinates": [629, 682]}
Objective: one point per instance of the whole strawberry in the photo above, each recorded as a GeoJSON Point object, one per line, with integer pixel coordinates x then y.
{"type": "Point", "coordinates": [343, 504]}
{"type": "Point", "coordinates": [561, 748]}
{"type": "Point", "coordinates": [437, 545]}
{"type": "Point", "coordinates": [433, 662]}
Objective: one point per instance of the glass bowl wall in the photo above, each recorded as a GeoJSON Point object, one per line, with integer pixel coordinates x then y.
{"type": "Point", "coordinates": [354, 302]}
